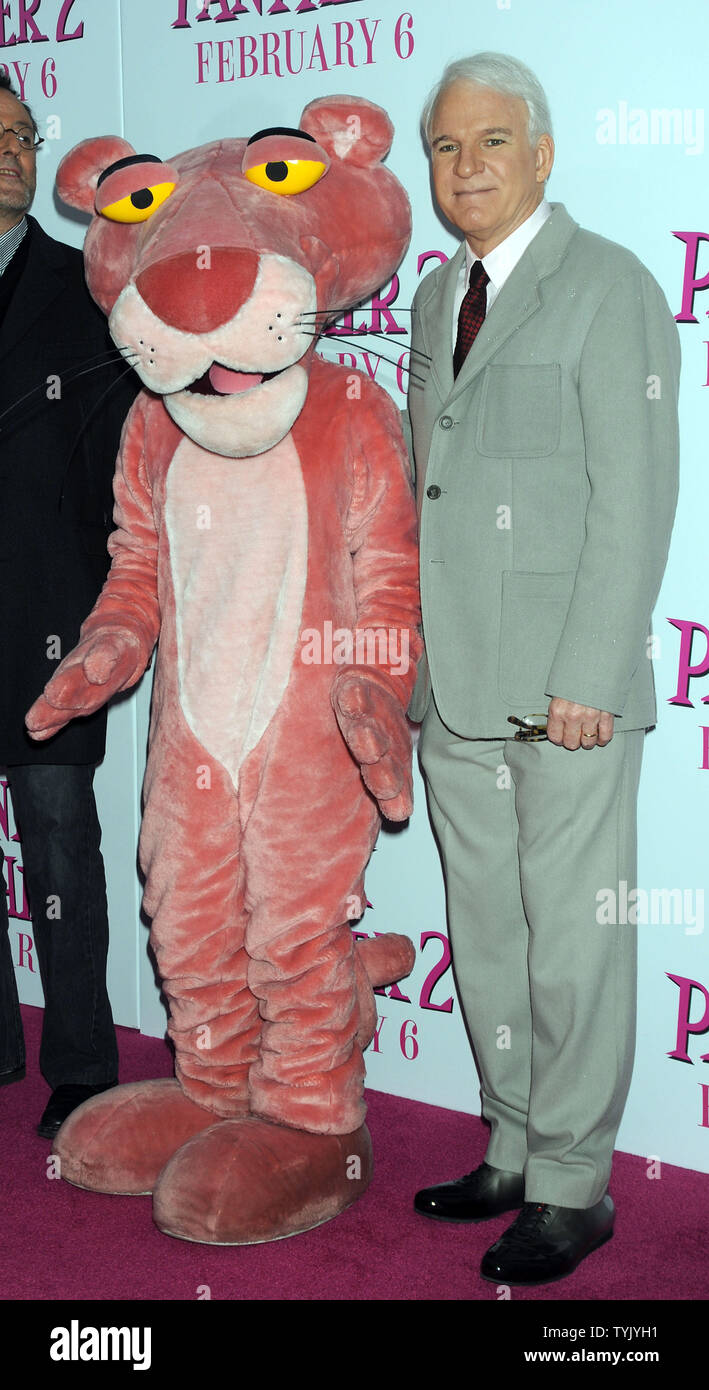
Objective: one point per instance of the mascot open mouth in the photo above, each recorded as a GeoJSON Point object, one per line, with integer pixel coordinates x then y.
{"type": "Point", "coordinates": [224, 381]}
{"type": "Point", "coordinates": [239, 414]}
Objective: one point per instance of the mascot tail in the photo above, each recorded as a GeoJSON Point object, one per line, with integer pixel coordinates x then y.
{"type": "Point", "coordinates": [380, 960]}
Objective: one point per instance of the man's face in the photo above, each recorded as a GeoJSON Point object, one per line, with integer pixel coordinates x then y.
{"type": "Point", "coordinates": [486, 176]}
{"type": "Point", "coordinates": [18, 174]}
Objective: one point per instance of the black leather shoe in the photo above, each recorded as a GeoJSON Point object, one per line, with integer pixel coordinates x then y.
{"type": "Point", "coordinates": [7, 1077]}
{"type": "Point", "coordinates": [62, 1102]}
{"type": "Point", "coordinates": [546, 1242]}
{"type": "Point", "coordinates": [479, 1195]}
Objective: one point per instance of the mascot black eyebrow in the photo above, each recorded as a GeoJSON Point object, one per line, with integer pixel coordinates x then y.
{"type": "Point", "coordinates": [260, 493]}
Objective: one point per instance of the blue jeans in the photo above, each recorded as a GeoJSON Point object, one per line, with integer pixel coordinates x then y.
{"type": "Point", "coordinates": [58, 825]}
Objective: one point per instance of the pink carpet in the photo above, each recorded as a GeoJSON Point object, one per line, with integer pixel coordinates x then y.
{"type": "Point", "coordinates": [62, 1243]}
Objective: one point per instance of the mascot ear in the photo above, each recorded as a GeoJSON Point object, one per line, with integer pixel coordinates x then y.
{"type": "Point", "coordinates": [349, 128]}
{"type": "Point", "coordinates": [80, 169]}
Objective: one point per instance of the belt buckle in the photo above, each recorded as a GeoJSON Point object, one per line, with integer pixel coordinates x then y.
{"type": "Point", "coordinates": [531, 728]}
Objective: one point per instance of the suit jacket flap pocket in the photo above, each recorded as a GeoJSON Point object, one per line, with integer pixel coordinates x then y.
{"type": "Point", "coordinates": [534, 608]}
{"type": "Point", "coordinates": [520, 411]}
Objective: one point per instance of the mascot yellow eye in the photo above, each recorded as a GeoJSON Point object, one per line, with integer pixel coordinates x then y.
{"type": "Point", "coordinates": [140, 205]}
{"type": "Point", "coordinates": [286, 176]}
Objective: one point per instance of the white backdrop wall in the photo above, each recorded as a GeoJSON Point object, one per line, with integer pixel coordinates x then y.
{"type": "Point", "coordinates": [627, 85]}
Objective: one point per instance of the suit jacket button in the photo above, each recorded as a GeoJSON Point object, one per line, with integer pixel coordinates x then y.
{"type": "Point", "coordinates": [445, 422]}
{"type": "Point", "coordinates": [433, 491]}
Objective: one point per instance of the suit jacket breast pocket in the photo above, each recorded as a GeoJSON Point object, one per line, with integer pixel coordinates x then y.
{"type": "Point", "coordinates": [534, 608]}
{"type": "Point", "coordinates": [520, 411]}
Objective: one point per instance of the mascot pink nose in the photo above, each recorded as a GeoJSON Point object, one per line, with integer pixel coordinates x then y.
{"type": "Point", "coordinates": [201, 289]}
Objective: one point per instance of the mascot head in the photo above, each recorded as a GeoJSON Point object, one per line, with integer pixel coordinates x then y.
{"type": "Point", "coordinates": [218, 268]}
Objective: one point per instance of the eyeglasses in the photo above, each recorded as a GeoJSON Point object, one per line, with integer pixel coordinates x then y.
{"type": "Point", "coordinates": [26, 137]}
{"type": "Point", "coordinates": [532, 728]}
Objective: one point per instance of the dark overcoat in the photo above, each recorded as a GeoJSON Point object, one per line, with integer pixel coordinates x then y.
{"type": "Point", "coordinates": [58, 445]}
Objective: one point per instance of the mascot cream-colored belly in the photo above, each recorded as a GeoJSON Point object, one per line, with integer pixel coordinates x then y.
{"type": "Point", "coordinates": [238, 590]}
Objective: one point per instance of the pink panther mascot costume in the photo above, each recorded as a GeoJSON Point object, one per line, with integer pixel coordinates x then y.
{"type": "Point", "coordinates": [261, 494]}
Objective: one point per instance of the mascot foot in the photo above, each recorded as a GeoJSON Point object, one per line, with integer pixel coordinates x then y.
{"type": "Point", "coordinates": [246, 1181]}
{"type": "Point", "coordinates": [119, 1141]}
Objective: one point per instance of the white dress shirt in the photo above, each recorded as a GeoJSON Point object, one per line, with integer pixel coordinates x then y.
{"type": "Point", "coordinates": [499, 263]}
{"type": "Point", "coordinates": [9, 242]}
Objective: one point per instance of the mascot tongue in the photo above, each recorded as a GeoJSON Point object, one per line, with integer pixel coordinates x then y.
{"type": "Point", "coordinates": [227, 382]}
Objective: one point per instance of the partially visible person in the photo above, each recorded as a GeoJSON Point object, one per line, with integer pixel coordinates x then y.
{"type": "Point", "coordinates": [58, 445]}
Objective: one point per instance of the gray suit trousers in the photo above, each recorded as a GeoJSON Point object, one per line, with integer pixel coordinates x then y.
{"type": "Point", "coordinates": [529, 833]}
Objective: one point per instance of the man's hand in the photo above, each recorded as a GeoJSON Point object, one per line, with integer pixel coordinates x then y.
{"type": "Point", "coordinates": [578, 726]}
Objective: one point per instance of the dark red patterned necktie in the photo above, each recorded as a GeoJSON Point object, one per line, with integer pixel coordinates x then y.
{"type": "Point", "coordinates": [472, 314]}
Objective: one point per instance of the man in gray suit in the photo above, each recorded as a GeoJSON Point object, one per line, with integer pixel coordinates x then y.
{"type": "Point", "coordinates": [544, 443]}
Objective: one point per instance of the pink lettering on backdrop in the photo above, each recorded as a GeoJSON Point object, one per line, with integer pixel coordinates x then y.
{"type": "Point", "coordinates": [203, 53]}
{"type": "Point", "coordinates": [344, 33]}
{"type": "Point", "coordinates": [381, 1020]}
{"type": "Point", "coordinates": [381, 320]}
{"type": "Point", "coordinates": [425, 256]}
{"type": "Point", "coordinates": [5, 803]}
{"type": "Point", "coordinates": [17, 904]}
{"type": "Point", "coordinates": [62, 35]}
{"type": "Point", "coordinates": [290, 35]}
{"type": "Point", "coordinates": [704, 765]}
{"type": "Point", "coordinates": [18, 75]}
{"type": "Point", "coordinates": [441, 967]}
{"type": "Point", "coordinates": [247, 56]}
{"type": "Point", "coordinates": [407, 1040]}
{"type": "Point", "coordinates": [686, 671]}
{"type": "Point", "coordinates": [704, 1122]}
{"type": "Point", "coordinates": [230, 10]}
{"type": "Point", "coordinates": [27, 30]}
{"type": "Point", "coordinates": [282, 53]}
{"type": "Point", "coordinates": [25, 959]}
{"type": "Point", "coordinates": [19, 23]}
{"type": "Point", "coordinates": [436, 973]}
{"type": "Point", "coordinates": [369, 38]}
{"type": "Point", "coordinates": [690, 283]}
{"type": "Point", "coordinates": [379, 308]}
{"type": "Point", "coordinates": [226, 62]}
{"type": "Point", "coordinates": [319, 49]}
{"type": "Point", "coordinates": [380, 303]}
{"type": "Point", "coordinates": [4, 811]}
{"type": "Point", "coordinates": [270, 54]}
{"type": "Point", "coordinates": [684, 1009]}
{"type": "Point", "coordinates": [402, 372]}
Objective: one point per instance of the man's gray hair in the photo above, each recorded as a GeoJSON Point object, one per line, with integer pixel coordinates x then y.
{"type": "Point", "coordinates": [503, 74]}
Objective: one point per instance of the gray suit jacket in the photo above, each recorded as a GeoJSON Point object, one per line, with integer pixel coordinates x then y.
{"type": "Point", "coordinates": [546, 481]}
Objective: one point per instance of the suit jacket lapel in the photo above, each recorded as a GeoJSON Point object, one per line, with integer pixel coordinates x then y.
{"type": "Point", "coordinates": [436, 315]}
{"type": "Point", "coordinates": [519, 298]}
{"type": "Point", "coordinates": [43, 279]}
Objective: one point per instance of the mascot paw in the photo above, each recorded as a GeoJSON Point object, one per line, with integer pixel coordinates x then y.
{"type": "Point", "coordinates": [375, 730]}
{"type": "Point", "coordinates": [120, 1140]}
{"type": "Point", "coordinates": [247, 1181]}
{"type": "Point", "coordinates": [97, 669]}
